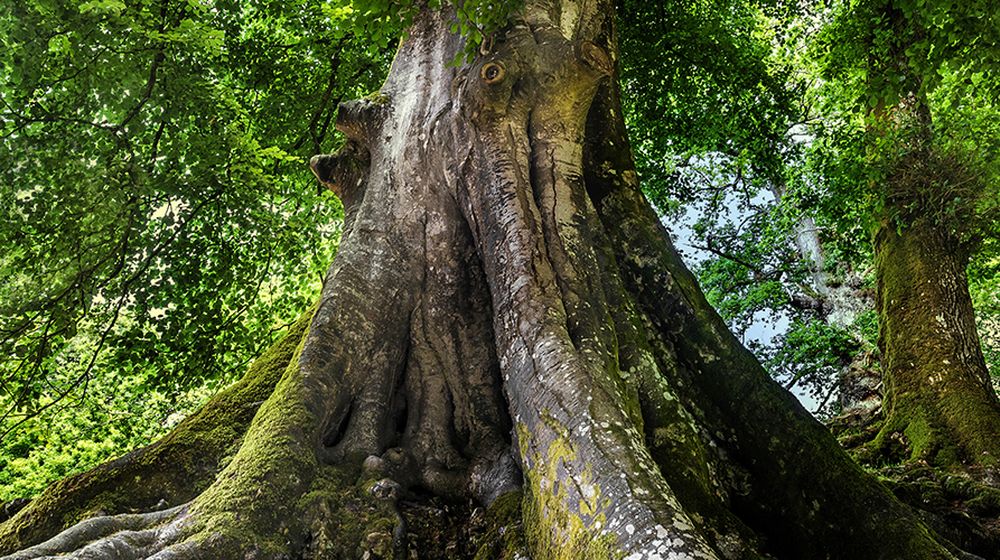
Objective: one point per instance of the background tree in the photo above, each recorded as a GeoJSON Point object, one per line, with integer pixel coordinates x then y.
{"type": "Point", "coordinates": [817, 272]}
{"type": "Point", "coordinates": [904, 74]}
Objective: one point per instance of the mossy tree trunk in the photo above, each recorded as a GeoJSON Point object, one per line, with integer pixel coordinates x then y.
{"type": "Point", "coordinates": [939, 405]}
{"type": "Point", "coordinates": [507, 322]}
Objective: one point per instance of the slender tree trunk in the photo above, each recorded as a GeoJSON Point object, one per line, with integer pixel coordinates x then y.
{"type": "Point", "coordinates": [507, 322]}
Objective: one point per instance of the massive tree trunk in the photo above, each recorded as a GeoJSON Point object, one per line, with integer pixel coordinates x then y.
{"type": "Point", "coordinates": [507, 322]}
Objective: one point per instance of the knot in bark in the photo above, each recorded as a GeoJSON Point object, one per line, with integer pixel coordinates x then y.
{"type": "Point", "coordinates": [344, 172]}
{"type": "Point", "coordinates": [360, 119]}
{"type": "Point", "coordinates": [487, 87]}
{"type": "Point", "coordinates": [595, 57]}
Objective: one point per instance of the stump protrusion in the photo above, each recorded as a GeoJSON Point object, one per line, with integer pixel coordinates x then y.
{"type": "Point", "coordinates": [359, 119]}
{"type": "Point", "coordinates": [344, 172]}
{"type": "Point", "coordinates": [595, 57]}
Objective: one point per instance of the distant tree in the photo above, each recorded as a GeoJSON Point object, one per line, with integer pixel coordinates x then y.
{"type": "Point", "coordinates": [909, 78]}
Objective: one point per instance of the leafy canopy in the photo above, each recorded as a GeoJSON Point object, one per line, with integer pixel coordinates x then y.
{"type": "Point", "coordinates": [159, 220]}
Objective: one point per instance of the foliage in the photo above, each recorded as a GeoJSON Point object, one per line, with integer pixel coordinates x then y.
{"type": "Point", "coordinates": [752, 263]}
{"type": "Point", "coordinates": [381, 21]}
{"type": "Point", "coordinates": [809, 356]}
{"type": "Point", "coordinates": [715, 100]}
{"type": "Point", "coordinates": [116, 415]}
{"type": "Point", "coordinates": [984, 286]}
{"type": "Point", "coordinates": [160, 227]}
{"type": "Point", "coordinates": [706, 107]}
{"type": "Point", "coordinates": [843, 67]}
{"type": "Point", "coordinates": [906, 84]}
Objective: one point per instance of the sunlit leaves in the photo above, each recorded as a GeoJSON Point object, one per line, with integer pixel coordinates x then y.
{"type": "Point", "coordinates": [161, 216]}
{"type": "Point", "coordinates": [115, 7]}
{"type": "Point", "coordinates": [697, 81]}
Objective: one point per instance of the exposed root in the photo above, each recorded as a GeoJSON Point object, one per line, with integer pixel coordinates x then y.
{"type": "Point", "coordinates": [962, 505]}
{"type": "Point", "coordinates": [116, 537]}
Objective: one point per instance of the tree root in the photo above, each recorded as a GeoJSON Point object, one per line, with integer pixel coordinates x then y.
{"type": "Point", "coordinates": [115, 537]}
{"type": "Point", "coordinates": [388, 491]}
{"type": "Point", "coordinates": [172, 470]}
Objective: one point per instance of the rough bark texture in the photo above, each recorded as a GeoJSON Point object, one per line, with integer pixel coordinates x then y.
{"type": "Point", "coordinates": [939, 403]}
{"type": "Point", "coordinates": [507, 322]}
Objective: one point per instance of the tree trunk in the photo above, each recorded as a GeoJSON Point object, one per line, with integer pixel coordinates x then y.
{"type": "Point", "coordinates": [940, 405]}
{"type": "Point", "coordinates": [507, 322]}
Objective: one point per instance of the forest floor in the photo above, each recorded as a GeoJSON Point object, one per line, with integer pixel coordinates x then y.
{"type": "Point", "coordinates": [962, 503]}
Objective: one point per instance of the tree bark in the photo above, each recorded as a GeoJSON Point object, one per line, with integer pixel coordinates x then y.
{"type": "Point", "coordinates": [939, 403]}
{"type": "Point", "coordinates": [507, 322]}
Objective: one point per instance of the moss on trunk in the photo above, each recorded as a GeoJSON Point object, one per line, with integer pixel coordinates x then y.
{"type": "Point", "coordinates": [169, 472]}
{"type": "Point", "coordinates": [939, 403]}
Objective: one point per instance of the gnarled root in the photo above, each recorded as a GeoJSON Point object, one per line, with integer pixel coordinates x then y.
{"type": "Point", "coordinates": [120, 537]}
{"type": "Point", "coordinates": [172, 470]}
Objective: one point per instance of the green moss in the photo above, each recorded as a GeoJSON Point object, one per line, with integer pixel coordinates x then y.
{"type": "Point", "coordinates": [343, 519]}
{"type": "Point", "coordinates": [986, 503]}
{"type": "Point", "coordinates": [504, 537]}
{"type": "Point", "coordinates": [378, 98]}
{"type": "Point", "coordinates": [575, 541]}
{"type": "Point", "coordinates": [933, 389]}
{"type": "Point", "coordinates": [272, 456]}
{"type": "Point", "coordinates": [920, 437]}
{"type": "Point", "coordinates": [552, 529]}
